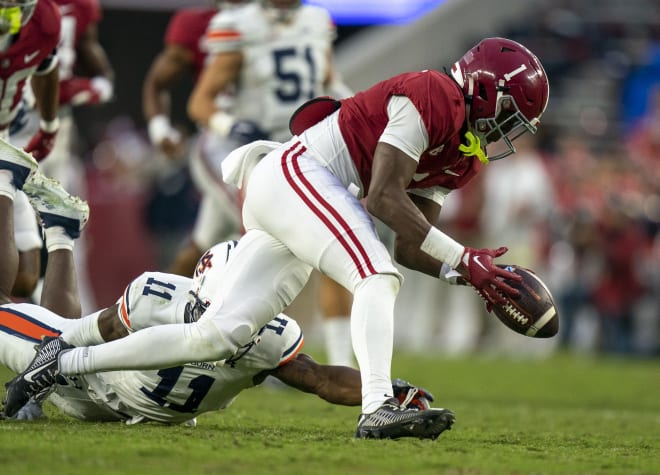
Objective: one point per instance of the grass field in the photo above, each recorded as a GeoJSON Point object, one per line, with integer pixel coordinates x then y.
{"type": "Point", "coordinates": [564, 415]}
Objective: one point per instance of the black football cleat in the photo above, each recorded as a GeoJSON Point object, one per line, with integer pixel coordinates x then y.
{"type": "Point", "coordinates": [391, 421]}
{"type": "Point", "coordinates": [38, 379]}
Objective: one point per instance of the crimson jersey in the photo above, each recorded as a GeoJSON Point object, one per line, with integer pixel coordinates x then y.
{"type": "Point", "coordinates": [77, 17]}
{"type": "Point", "coordinates": [187, 29]}
{"type": "Point", "coordinates": [35, 43]}
{"type": "Point", "coordinates": [440, 103]}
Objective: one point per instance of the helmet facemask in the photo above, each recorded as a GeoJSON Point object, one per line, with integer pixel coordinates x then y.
{"type": "Point", "coordinates": [507, 125]}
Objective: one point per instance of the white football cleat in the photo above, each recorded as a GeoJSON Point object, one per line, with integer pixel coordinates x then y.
{"type": "Point", "coordinates": [19, 162]}
{"type": "Point", "coordinates": [55, 206]}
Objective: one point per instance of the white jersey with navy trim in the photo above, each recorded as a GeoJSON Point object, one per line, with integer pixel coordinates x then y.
{"type": "Point", "coordinates": [175, 395]}
{"type": "Point", "coordinates": [154, 298]}
{"type": "Point", "coordinates": [284, 64]}
{"type": "Point", "coordinates": [172, 395]}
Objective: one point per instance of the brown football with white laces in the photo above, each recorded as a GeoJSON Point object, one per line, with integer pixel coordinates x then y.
{"type": "Point", "coordinates": [534, 312]}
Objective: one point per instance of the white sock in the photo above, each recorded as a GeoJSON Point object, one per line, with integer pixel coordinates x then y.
{"type": "Point", "coordinates": [338, 345]}
{"type": "Point", "coordinates": [84, 332]}
{"type": "Point", "coordinates": [157, 347]}
{"type": "Point", "coordinates": [7, 187]}
{"type": "Point", "coordinates": [57, 238]}
{"type": "Point", "coordinates": [372, 329]}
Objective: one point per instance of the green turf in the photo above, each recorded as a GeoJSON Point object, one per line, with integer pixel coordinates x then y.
{"type": "Point", "coordinates": [565, 415]}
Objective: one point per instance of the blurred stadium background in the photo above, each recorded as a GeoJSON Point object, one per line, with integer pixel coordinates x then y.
{"type": "Point", "coordinates": [579, 204]}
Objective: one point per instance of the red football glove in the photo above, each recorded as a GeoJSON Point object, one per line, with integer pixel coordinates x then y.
{"type": "Point", "coordinates": [41, 144]}
{"type": "Point", "coordinates": [411, 397]}
{"type": "Point", "coordinates": [78, 91]}
{"type": "Point", "coordinates": [489, 280]}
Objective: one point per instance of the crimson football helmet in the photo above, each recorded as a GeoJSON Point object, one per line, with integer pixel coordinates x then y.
{"type": "Point", "coordinates": [506, 91]}
{"type": "Point", "coordinates": [14, 14]}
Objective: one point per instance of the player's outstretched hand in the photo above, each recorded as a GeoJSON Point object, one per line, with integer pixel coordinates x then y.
{"type": "Point", "coordinates": [41, 144]}
{"type": "Point", "coordinates": [32, 411]}
{"type": "Point", "coordinates": [479, 270]}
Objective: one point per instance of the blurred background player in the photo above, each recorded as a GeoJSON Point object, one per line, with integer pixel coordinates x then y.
{"type": "Point", "coordinates": [183, 54]}
{"type": "Point", "coordinates": [29, 34]}
{"type": "Point", "coordinates": [86, 78]}
{"type": "Point", "coordinates": [267, 58]}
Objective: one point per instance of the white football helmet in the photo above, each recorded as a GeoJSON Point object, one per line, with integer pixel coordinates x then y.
{"type": "Point", "coordinates": [14, 14]}
{"type": "Point", "coordinates": [206, 279]}
{"type": "Point", "coordinates": [227, 4]}
{"type": "Point", "coordinates": [281, 10]}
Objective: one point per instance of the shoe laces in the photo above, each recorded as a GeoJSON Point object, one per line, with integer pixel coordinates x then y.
{"type": "Point", "coordinates": [390, 412]}
{"type": "Point", "coordinates": [412, 392]}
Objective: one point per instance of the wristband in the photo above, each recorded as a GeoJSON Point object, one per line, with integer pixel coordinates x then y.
{"type": "Point", "coordinates": [440, 246]}
{"type": "Point", "coordinates": [159, 128]}
{"type": "Point", "coordinates": [221, 123]}
{"type": "Point", "coordinates": [450, 275]}
{"type": "Point", "coordinates": [50, 126]}
{"type": "Point", "coordinates": [103, 88]}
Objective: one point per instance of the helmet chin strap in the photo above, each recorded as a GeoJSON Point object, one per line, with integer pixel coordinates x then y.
{"type": "Point", "coordinates": [473, 146]}
{"type": "Point", "coordinates": [468, 100]}
{"type": "Point", "coordinates": [5, 42]}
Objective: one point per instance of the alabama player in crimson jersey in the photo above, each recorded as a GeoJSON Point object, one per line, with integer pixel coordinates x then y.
{"type": "Point", "coordinates": [77, 49]}
{"type": "Point", "coordinates": [86, 78]}
{"type": "Point", "coordinates": [29, 33]}
{"type": "Point", "coordinates": [403, 144]}
{"type": "Point", "coordinates": [78, 52]}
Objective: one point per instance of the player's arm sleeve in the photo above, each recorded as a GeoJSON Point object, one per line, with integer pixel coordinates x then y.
{"type": "Point", "coordinates": [178, 31]}
{"type": "Point", "coordinates": [278, 342]}
{"type": "Point", "coordinates": [405, 129]}
{"type": "Point", "coordinates": [151, 300]}
{"type": "Point", "coordinates": [224, 34]}
{"type": "Point", "coordinates": [293, 349]}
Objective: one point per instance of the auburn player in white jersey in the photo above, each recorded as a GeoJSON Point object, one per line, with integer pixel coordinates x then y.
{"type": "Point", "coordinates": [172, 395]}
{"type": "Point", "coordinates": [266, 60]}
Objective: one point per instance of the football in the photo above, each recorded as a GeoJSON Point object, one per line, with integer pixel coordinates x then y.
{"type": "Point", "coordinates": [534, 313]}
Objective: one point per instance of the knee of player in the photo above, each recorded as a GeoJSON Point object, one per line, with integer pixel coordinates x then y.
{"type": "Point", "coordinates": [216, 341]}
{"type": "Point", "coordinates": [387, 284]}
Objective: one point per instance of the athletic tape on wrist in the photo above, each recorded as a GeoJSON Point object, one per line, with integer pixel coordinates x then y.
{"type": "Point", "coordinates": [440, 246]}
{"type": "Point", "coordinates": [50, 126]}
{"type": "Point", "coordinates": [160, 128]}
{"type": "Point", "coordinates": [221, 123]}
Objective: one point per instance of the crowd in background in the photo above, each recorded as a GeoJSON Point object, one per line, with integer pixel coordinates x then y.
{"type": "Point", "coordinates": [579, 204]}
{"type": "Point", "coordinates": [600, 238]}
